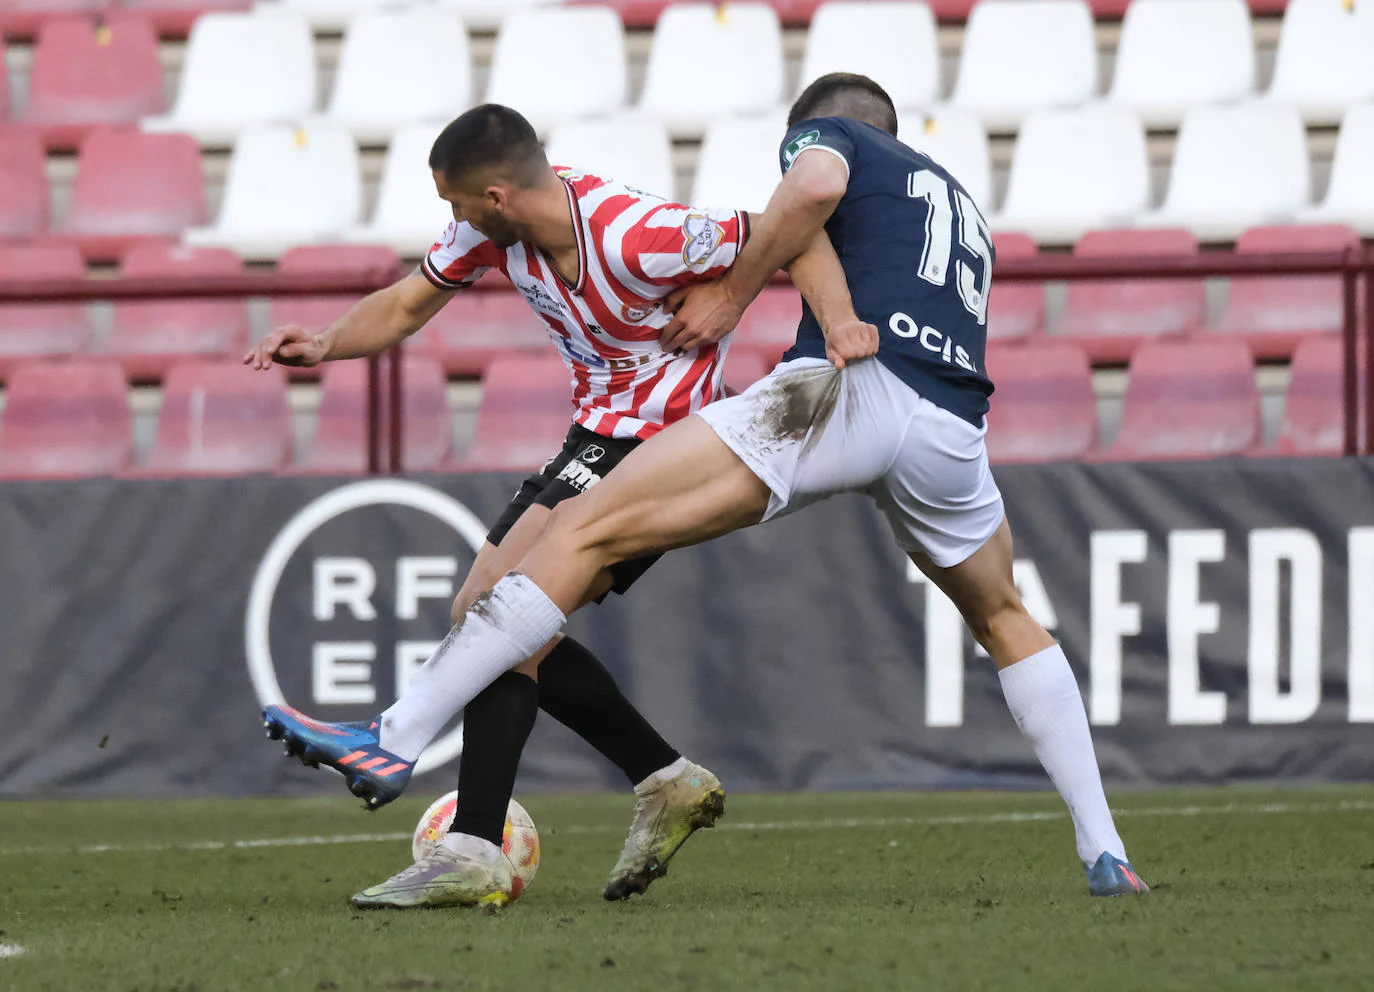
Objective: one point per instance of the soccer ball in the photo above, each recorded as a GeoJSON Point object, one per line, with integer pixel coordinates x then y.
{"type": "Point", "coordinates": [519, 841]}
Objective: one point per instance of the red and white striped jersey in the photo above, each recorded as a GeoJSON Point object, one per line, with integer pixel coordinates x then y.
{"type": "Point", "coordinates": [634, 248]}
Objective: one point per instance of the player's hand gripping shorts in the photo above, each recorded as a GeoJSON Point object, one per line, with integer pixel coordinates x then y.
{"type": "Point", "coordinates": [809, 430]}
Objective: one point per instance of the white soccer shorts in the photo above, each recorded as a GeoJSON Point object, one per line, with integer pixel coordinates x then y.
{"type": "Point", "coordinates": [809, 430]}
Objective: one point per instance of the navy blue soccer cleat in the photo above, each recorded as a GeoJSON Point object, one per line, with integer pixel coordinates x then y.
{"type": "Point", "coordinates": [374, 775]}
{"type": "Point", "coordinates": [1110, 876]}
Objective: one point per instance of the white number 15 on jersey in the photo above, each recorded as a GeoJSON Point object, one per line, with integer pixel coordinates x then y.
{"type": "Point", "coordinates": [940, 228]}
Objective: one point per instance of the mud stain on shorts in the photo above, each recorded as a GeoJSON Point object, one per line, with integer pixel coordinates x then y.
{"type": "Point", "coordinates": [798, 405]}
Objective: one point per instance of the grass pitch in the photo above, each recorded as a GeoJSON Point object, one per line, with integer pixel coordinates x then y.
{"type": "Point", "coordinates": [1253, 889]}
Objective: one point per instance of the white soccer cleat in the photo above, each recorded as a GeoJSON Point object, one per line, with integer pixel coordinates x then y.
{"type": "Point", "coordinates": [443, 878]}
{"type": "Point", "coordinates": [665, 816]}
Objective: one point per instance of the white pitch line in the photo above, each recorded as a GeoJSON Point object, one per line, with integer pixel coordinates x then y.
{"type": "Point", "coordinates": [10, 950]}
{"type": "Point", "coordinates": [1230, 809]}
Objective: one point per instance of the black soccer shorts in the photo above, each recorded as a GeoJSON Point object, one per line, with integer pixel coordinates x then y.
{"type": "Point", "coordinates": [585, 459]}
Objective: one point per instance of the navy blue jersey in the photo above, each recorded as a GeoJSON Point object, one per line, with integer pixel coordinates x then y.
{"type": "Point", "coordinates": [918, 259]}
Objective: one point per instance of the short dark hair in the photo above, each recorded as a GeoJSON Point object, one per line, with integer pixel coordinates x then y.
{"type": "Point", "coordinates": [489, 137]}
{"type": "Point", "coordinates": [845, 94]}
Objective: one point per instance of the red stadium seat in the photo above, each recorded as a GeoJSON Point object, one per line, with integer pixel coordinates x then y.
{"type": "Point", "coordinates": [476, 327]}
{"type": "Point", "coordinates": [173, 18]}
{"type": "Point", "coordinates": [85, 75]}
{"type": "Point", "coordinates": [1188, 399]}
{"type": "Point", "coordinates": [341, 437]}
{"type": "Point", "coordinates": [23, 183]}
{"type": "Point", "coordinates": [1274, 313]}
{"type": "Point", "coordinates": [1313, 421]}
{"type": "Point", "coordinates": [132, 187]}
{"type": "Point", "coordinates": [65, 419]}
{"type": "Point", "coordinates": [40, 330]}
{"type": "Point", "coordinates": [1109, 319]}
{"type": "Point", "coordinates": [1044, 408]}
{"type": "Point", "coordinates": [769, 325]}
{"type": "Point", "coordinates": [317, 312]}
{"type": "Point", "coordinates": [221, 418]}
{"type": "Point", "coordinates": [742, 370]}
{"type": "Point", "coordinates": [524, 415]}
{"type": "Point", "coordinates": [24, 18]}
{"type": "Point", "coordinates": [1016, 310]}
{"type": "Point", "coordinates": [150, 336]}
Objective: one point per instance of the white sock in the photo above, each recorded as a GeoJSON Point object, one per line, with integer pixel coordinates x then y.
{"type": "Point", "coordinates": [1043, 696]}
{"type": "Point", "coordinates": [501, 630]}
{"type": "Point", "coordinates": [473, 848]}
{"type": "Point", "coordinates": [665, 774]}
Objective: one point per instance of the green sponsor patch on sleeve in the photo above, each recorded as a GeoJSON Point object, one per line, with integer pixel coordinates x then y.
{"type": "Point", "coordinates": [795, 146]}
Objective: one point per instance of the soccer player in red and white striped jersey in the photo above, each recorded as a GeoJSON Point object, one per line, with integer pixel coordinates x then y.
{"type": "Point", "coordinates": [595, 260]}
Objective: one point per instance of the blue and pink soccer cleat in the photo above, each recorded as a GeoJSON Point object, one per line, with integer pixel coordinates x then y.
{"type": "Point", "coordinates": [374, 775]}
{"type": "Point", "coordinates": [1110, 876]}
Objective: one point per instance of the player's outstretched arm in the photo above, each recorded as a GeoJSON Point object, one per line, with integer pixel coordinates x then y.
{"type": "Point", "coordinates": [819, 277]}
{"type": "Point", "coordinates": [798, 209]}
{"type": "Point", "coordinates": [373, 324]}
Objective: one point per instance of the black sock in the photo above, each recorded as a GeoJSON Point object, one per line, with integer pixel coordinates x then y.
{"type": "Point", "coordinates": [577, 691]}
{"type": "Point", "coordinates": [496, 725]}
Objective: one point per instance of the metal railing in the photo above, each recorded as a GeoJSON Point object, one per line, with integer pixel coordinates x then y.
{"type": "Point", "coordinates": [1351, 265]}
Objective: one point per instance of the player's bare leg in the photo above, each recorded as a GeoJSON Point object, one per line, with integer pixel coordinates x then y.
{"type": "Point", "coordinates": [1043, 696]}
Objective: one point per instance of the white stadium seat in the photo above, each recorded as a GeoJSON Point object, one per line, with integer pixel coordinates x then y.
{"type": "Point", "coordinates": [554, 63]}
{"type": "Point", "coordinates": [710, 61]}
{"type": "Point", "coordinates": [1179, 54]}
{"type": "Point", "coordinates": [1350, 196]}
{"type": "Point", "coordinates": [1074, 171]}
{"type": "Point", "coordinates": [1235, 167]}
{"type": "Point", "coordinates": [400, 66]}
{"type": "Point", "coordinates": [632, 149]}
{"type": "Point", "coordinates": [242, 70]}
{"type": "Point", "coordinates": [957, 142]}
{"type": "Point", "coordinates": [1325, 60]}
{"type": "Point", "coordinates": [738, 166]}
{"type": "Point", "coordinates": [1025, 55]}
{"type": "Point", "coordinates": [487, 15]}
{"type": "Point", "coordinates": [286, 186]}
{"type": "Point", "coordinates": [330, 15]}
{"type": "Point", "coordinates": [409, 216]}
{"type": "Point", "coordinates": [890, 41]}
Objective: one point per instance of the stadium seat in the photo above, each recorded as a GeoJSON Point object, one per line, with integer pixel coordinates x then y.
{"type": "Point", "coordinates": [397, 67]}
{"type": "Point", "coordinates": [487, 15]}
{"type": "Point", "coordinates": [892, 42]}
{"type": "Point", "coordinates": [41, 330]}
{"type": "Point", "coordinates": [1043, 408]}
{"type": "Point", "coordinates": [1188, 399]}
{"type": "Point", "coordinates": [743, 369]}
{"type": "Point", "coordinates": [174, 18]}
{"type": "Point", "coordinates": [687, 85]}
{"type": "Point", "coordinates": [580, 70]}
{"type": "Point", "coordinates": [1235, 167]}
{"type": "Point", "coordinates": [477, 327]}
{"type": "Point", "coordinates": [148, 336]}
{"type": "Point", "coordinates": [242, 69]}
{"type": "Point", "coordinates": [1004, 73]}
{"type": "Point", "coordinates": [1109, 320]}
{"type": "Point", "coordinates": [23, 183]}
{"type": "Point", "coordinates": [1015, 309]}
{"type": "Point", "coordinates": [220, 418]}
{"type": "Point", "coordinates": [132, 187]}
{"type": "Point", "coordinates": [960, 144]}
{"type": "Point", "coordinates": [524, 413]}
{"type": "Point", "coordinates": [65, 419]}
{"type": "Point", "coordinates": [25, 18]}
{"type": "Point", "coordinates": [409, 217]}
{"type": "Point", "coordinates": [83, 75]}
{"type": "Point", "coordinates": [738, 165]}
{"type": "Point", "coordinates": [314, 313]}
{"type": "Point", "coordinates": [769, 326]}
{"type": "Point", "coordinates": [340, 443]}
{"type": "Point", "coordinates": [1179, 54]}
{"type": "Point", "coordinates": [1274, 313]}
{"type": "Point", "coordinates": [630, 148]}
{"type": "Point", "coordinates": [331, 15]}
{"type": "Point", "coordinates": [1350, 195]}
{"type": "Point", "coordinates": [1074, 171]}
{"type": "Point", "coordinates": [1325, 61]}
{"type": "Point", "coordinates": [1313, 410]}
{"type": "Point", "coordinates": [287, 186]}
